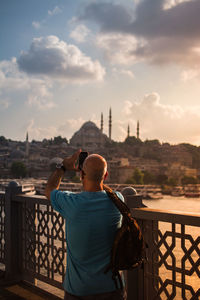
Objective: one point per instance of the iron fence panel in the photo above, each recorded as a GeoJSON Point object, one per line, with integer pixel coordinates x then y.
{"type": "Point", "coordinates": [44, 247]}
{"type": "Point", "coordinates": [2, 228]}
{"type": "Point", "coordinates": [172, 270]}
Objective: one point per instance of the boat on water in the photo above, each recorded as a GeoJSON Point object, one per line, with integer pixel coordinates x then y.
{"type": "Point", "coordinates": [192, 194]}
{"type": "Point", "coordinates": [177, 191]}
{"type": "Point", "coordinates": [151, 193]}
{"type": "Point", "coordinates": [192, 191]}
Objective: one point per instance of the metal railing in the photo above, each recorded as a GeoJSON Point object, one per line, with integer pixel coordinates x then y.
{"type": "Point", "coordinates": [172, 270]}
{"type": "Point", "coordinates": [2, 229]}
{"type": "Point", "coordinates": [33, 246]}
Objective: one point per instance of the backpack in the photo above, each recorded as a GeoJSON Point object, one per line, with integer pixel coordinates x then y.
{"type": "Point", "coordinates": [128, 250]}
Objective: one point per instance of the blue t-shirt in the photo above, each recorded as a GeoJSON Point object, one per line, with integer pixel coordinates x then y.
{"type": "Point", "coordinates": [91, 222]}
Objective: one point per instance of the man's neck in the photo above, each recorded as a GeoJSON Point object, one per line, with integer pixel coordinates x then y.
{"type": "Point", "coordinates": [93, 187]}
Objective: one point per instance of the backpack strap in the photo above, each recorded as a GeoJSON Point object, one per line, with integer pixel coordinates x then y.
{"type": "Point", "coordinates": [123, 208]}
{"type": "Point", "coordinates": [116, 277]}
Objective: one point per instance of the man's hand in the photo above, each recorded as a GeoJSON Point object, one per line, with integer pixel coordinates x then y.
{"type": "Point", "coordinates": [55, 178]}
{"type": "Point", "coordinates": [70, 162]}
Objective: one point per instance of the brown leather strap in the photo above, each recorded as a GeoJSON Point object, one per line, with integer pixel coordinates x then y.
{"type": "Point", "coordinates": [123, 208]}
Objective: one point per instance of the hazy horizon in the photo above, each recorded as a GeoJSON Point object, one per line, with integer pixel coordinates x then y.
{"type": "Point", "coordinates": [63, 63]}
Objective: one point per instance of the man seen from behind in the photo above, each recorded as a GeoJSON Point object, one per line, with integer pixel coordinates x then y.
{"type": "Point", "coordinates": [91, 223]}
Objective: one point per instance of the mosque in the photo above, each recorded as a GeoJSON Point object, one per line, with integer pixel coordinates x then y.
{"type": "Point", "coordinates": [90, 136]}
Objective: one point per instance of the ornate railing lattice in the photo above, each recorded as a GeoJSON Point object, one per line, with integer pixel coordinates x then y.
{"type": "Point", "coordinates": [172, 270]}
{"type": "Point", "coordinates": [35, 248]}
{"type": "Point", "coordinates": [44, 246]}
{"type": "Point", "coordinates": [2, 228]}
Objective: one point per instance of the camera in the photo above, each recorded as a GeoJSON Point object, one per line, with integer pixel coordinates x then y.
{"type": "Point", "coordinates": [82, 157]}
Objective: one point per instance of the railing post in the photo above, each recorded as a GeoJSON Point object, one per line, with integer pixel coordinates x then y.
{"type": "Point", "coordinates": [13, 233]}
{"type": "Point", "coordinates": [134, 278]}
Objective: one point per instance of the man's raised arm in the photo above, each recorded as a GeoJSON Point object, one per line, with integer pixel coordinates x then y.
{"type": "Point", "coordinates": [55, 178]}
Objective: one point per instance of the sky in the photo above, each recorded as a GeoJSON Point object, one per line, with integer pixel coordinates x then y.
{"type": "Point", "coordinates": [64, 62]}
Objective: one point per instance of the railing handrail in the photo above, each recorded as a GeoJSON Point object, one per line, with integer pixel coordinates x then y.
{"type": "Point", "coordinates": [173, 216]}
{"type": "Point", "coordinates": [33, 198]}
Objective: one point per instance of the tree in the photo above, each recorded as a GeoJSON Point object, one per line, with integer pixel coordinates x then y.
{"type": "Point", "coordinates": [18, 169]}
{"type": "Point", "coordinates": [189, 180]}
{"type": "Point", "coordinates": [152, 142]}
{"type": "Point", "coordinates": [3, 140]}
{"type": "Point", "coordinates": [59, 140]}
{"type": "Point", "coordinates": [172, 181]}
{"type": "Point", "coordinates": [138, 176]}
{"type": "Point", "coordinates": [130, 181]}
{"type": "Point", "coordinates": [148, 178]}
{"type": "Point", "coordinates": [132, 140]}
{"type": "Point", "coordinates": [161, 179]}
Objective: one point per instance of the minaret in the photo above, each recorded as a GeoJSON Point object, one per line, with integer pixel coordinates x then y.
{"type": "Point", "coordinates": [110, 123]}
{"type": "Point", "coordinates": [138, 130]}
{"type": "Point", "coordinates": [101, 122]}
{"type": "Point", "coordinates": [128, 131]}
{"type": "Point", "coordinates": [27, 145]}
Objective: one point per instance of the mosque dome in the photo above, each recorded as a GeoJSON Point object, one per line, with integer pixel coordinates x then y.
{"type": "Point", "coordinates": [88, 136]}
{"type": "Point", "coordinates": [16, 154]}
{"type": "Point", "coordinates": [89, 125]}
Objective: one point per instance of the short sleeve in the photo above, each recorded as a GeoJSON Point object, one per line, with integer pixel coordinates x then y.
{"type": "Point", "coordinates": [62, 202]}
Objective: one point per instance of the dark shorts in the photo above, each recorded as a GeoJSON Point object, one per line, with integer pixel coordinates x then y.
{"type": "Point", "coordinates": [116, 295]}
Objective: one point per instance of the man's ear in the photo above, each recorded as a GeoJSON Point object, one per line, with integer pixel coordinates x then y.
{"type": "Point", "coordinates": [106, 175]}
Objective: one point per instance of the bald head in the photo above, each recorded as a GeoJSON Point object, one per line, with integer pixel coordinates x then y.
{"type": "Point", "coordinates": [95, 168]}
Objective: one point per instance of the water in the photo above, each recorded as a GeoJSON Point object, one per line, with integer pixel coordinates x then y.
{"type": "Point", "coordinates": [191, 205]}
{"type": "Point", "coordinates": [175, 203]}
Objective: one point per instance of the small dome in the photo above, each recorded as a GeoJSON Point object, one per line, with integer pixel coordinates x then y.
{"type": "Point", "coordinates": [17, 154]}
{"type": "Point", "coordinates": [56, 160]}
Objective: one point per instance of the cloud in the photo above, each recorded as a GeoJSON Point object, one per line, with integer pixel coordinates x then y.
{"type": "Point", "coordinates": [39, 133]}
{"type": "Point", "coordinates": [119, 48]}
{"type": "Point", "coordinates": [36, 24]}
{"type": "Point", "coordinates": [4, 103]}
{"type": "Point", "coordinates": [127, 107]}
{"type": "Point", "coordinates": [124, 72]}
{"type": "Point", "coordinates": [170, 123]}
{"type": "Point", "coordinates": [40, 96]}
{"type": "Point", "coordinates": [111, 17]}
{"type": "Point", "coordinates": [56, 59]}
{"type": "Point", "coordinates": [187, 75]}
{"type": "Point", "coordinates": [171, 3]}
{"type": "Point", "coordinates": [80, 33]}
{"type": "Point", "coordinates": [54, 11]}
{"type": "Point", "coordinates": [160, 35]}
{"type": "Point", "coordinates": [17, 85]}
{"type": "Point", "coordinates": [65, 129]}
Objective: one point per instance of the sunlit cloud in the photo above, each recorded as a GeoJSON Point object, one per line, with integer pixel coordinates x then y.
{"type": "Point", "coordinates": [80, 33]}
{"type": "Point", "coordinates": [17, 85]}
{"type": "Point", "coordinates": [119, 48]}
{"type": "Point", "coordinates": [191, 74]}
{"type": "Point", "coordinates": [173, 122]}
{"type": "Point", "coordinates": [39, 133]}
{"type": "Point", "coordinates": [171, 3]}
{"type": "Point", "coordinates": [54, 58]}
{"type": "Point", "coordinates": [150, 34]}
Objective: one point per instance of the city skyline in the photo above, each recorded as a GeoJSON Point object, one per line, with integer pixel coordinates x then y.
{"type": "Point", "coordinates": [63, 63]}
